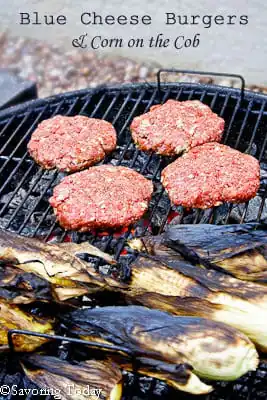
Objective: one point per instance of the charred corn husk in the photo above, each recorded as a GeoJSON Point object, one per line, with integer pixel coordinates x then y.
{"type": "Point", "coordinates": [239, 249]}
{"type": "Point", "coordinates": [216, 242]}
{"type": "Point", "coordinates": [90, 379]}
{"type": "Point", "coordinates": [186, 278]}
{"type": "Point", "coordinates": [178, 376]}
{"type": "Point", "coordinates": [213, 350]}
{"type": "Point", "coordinates": [11, 317]}
{"type": "Point", "coordinates": [19, 287]}
{"type": "Point", "coordinates": [249, 266]}
{"type": "Point", "coordinates": [242, 305]}
{"type": "Point", "coordinates": [56, 263]}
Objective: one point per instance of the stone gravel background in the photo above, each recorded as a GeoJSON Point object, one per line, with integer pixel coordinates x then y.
{"type": "Point", "coordinates": [57, 71]}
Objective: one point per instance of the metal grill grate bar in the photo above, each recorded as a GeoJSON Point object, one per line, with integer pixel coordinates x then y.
{"type": "Point", "coordinates": [7, 125]}
{"type": "Point", "coordinates": [53, 176]}
{"type": "Point", "coordinates": [39, 174]}
{"type": "Point", "coordinates": [244, 122]}
{"type": "Point", "coordinates": [127, 99]}
{"type": "Point", "coordinates": [259, 119]}
{"type": "Point", "coordinates": [22, 139]}
{"type": "Point", "coordinates": [14, 134]}
{"type": "Point", "coordinates": [232, 121]}
{"type": "Point", "coordinates": [263, 149]}
{"type": "Point", "coordinates": [98, 106]}
{"type": "Point", "coordinates": [113, 101]}
{"type": "Point", "coordinates": [39, 198]}
{"type": "Point", "coordinates": [86, 105]}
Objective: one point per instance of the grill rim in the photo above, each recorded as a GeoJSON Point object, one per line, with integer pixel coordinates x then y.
{"type": "Point", "coordinates": [127, 87]}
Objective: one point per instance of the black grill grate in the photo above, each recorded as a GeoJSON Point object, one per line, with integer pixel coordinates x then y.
{"type": "Point", "coordinates": [25, 188]}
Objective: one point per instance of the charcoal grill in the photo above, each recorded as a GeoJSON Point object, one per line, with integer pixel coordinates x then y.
{"type": "Point", "coordinates": [25, 188]}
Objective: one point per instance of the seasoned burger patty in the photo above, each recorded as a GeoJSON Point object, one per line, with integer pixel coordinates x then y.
{"type": "Point", "coordinates": [101, 197]}
{"type": "Point", "coordinates": [71, 143]}
{"type": "Point", "coordinates": [176, 126]}
{"type": "Point", "coordinates": [211, 174]}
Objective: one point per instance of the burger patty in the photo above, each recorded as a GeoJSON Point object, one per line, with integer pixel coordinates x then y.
{"type": "Point", "coordinates": [211, 174]}
{"type": "Point", "coordinates": [176, 126]}
{"type": "Point", "coordinates": [71, 143]}
{"type": "Point", "coordinates": [101, 197]}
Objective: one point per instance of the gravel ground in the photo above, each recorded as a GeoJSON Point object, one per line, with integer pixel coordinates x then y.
{"type": "Point", "coordinates": [56, 71]}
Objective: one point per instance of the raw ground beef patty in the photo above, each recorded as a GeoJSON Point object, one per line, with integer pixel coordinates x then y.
{"type": "Point", "coordinates": [211, 174]}
{"type": "Point", "coordinates": [176, 126]}
{"type": "Point", "coordinates": [101, 197]}
{"type": "Point", "coordinates": [71, 143]}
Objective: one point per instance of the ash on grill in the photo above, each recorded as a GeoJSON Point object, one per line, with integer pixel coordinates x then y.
{"type": "Point", "coordinates": [20, 204]}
